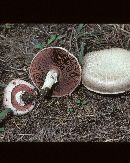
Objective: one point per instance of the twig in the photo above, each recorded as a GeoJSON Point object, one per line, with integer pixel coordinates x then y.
{"type": "Point", "coordinates": [3, 36]}
{"type": "Point", "coordinates": [125, 31]}
{"type": "Point", "coordinates": [110, 140]}
{"type": "Point", "coordinates": [99, 27]}
{"type": "Point", "coordinates": [20, 138]}
{"type": "Point", "coordinates": [70, 40]}
{"type": "Point", "coordinates": [25, 134]}
{"type": "Point", "coordinates": [2, 60]}
{"type": "Point", "coordinates": [76, 41]}
{"type": "Point", "coordinates": [18, 69]}
{"type": "Point", "coordinates": [16, 125]}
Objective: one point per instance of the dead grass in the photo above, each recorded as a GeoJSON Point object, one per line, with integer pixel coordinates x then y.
{"type": "Point", "coordinates": [97, 118]}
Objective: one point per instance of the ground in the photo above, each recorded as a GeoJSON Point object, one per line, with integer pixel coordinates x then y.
{"type": "Point", "coordinates": [84, 116]}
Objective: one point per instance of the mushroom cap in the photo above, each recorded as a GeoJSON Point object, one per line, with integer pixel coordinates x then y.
{"type": "Point", "coordinates": [60, 59]}
{"type": "Point", "coordinates": [12, 96]}
{"type": "Point", "coordinates": [107, 71]}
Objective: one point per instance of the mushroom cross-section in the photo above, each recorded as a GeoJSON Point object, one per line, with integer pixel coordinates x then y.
{"type": "Point", "coordinates": [13, 96]}
{"type": "Point", "coordinates": [55, 67]}
{"type": "Point", "coordinates": [107, 71]}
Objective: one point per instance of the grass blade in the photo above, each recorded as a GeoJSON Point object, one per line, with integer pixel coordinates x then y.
{"type": "Point", "coordinates": [52, 39]}
{"type": "Point", "coordinates": [4, 113]}
{"type": "Point", "coordinates": [80, 28]}
{"type": "Point", "coordinates": [40, 46]}
{"type": "Point", "coordinates": [2, 129]}
{"type": "Point", "coordinates": [81, 53]}
{"type": "Point", "coordinates": [3, 85]}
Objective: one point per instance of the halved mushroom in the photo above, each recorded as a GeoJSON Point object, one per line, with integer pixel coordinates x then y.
{"type": "Point", "coordinates": [107, 71]}
{"type": "Point", "coordinates": [13, 97]}
{"type": "Point", "coordinates": [55, 67]}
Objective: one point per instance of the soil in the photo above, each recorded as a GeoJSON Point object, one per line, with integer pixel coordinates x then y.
{"type": "Point", "coordinates": [84, 116]}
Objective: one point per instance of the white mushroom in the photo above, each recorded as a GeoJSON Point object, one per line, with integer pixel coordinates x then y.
{"type": "Point", "coordinates": [13, 96]}
{"type": "Point", "coordinates": [107, 71]}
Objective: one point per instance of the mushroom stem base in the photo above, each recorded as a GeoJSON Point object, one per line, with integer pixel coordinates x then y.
{"type": "Point", "coordinates": [45, 92]}
{"type": "Point", "coordinates": [27, 98]}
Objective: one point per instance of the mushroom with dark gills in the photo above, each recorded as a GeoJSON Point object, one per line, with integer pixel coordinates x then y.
{"type": "Point", "coordinates": [107, 71]}
{"type": "Point", "coordinates": [55, 69]}
{"type": "Point", "coordinates": [13, 97]}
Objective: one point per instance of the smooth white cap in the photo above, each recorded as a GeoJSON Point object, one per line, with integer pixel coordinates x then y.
{"type": "Point", "coordinates": [107, 71]}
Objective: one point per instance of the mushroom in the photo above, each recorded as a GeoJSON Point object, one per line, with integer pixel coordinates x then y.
{"type": "Point", "coordinates": [107, 71]}
{"type": "Point", "coordinates": [55, 69]}
{"type": "Point", "coordinates": [14, 94]}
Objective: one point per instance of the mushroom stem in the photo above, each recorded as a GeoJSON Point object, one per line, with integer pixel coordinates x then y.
{"type": "Point", "coordinates": [27, 98]}
{"type": "Point", "coordinates": [50, 80]}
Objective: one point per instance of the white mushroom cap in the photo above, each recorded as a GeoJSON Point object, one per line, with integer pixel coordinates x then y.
{"type": "Point", "coordinates": [12, 96]}
{"type": "Point", "coordinates": [107, 71]}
